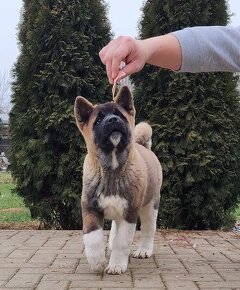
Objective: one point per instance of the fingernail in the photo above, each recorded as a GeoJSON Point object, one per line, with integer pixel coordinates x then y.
{"type": "Point", "coordinates": [122, 74]}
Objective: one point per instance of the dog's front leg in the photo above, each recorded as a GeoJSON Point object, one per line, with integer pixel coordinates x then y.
{"type": "Point", "coordinates": [94, 239]}
{"type": "Point", "coordinates": [112, 235]}
{"type": "Point", "coordinates": [121, 247]}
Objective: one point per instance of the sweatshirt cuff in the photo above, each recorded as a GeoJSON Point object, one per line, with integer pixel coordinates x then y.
{"type": "Point", "coordinates": [188, 50]}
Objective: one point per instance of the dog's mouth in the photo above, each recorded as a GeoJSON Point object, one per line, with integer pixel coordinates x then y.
{"type": "Point", "coordinates": [115, 137]}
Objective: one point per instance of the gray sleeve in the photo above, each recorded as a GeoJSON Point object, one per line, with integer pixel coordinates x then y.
{"type": "Point", "coordinates": [210, 48]}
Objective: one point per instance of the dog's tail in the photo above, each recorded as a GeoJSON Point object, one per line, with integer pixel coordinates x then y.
{"type": "Point", "coordinates": [143, 134]}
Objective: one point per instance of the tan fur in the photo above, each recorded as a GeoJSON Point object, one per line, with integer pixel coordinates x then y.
{"type": "Point", "coordinates": [143, 134]}
{"type": "Point", "coordinates": [154, 172]}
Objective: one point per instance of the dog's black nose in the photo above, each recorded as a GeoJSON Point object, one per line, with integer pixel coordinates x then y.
{"type": "Point", "coordinates": [111, 119]}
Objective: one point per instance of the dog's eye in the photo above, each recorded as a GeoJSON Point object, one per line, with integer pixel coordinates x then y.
{"type": "Point", "coordinates": [99, 119]}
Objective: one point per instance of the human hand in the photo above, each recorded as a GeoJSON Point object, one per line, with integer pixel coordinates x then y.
{"type": "Point", "coordinates": [132, 51]}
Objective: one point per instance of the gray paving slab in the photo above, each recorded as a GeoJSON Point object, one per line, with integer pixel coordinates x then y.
{"type": "Point", "coordinates": [42, 260]}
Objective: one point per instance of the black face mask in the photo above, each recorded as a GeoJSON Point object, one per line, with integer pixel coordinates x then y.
{"type": "Point", "coordinates": [111, 129]}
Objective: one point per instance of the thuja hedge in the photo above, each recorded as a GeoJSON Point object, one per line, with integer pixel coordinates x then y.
{"type": "Point", "coordinates": [196, 124]}
{"type": "Point", "coordinates": [59, 44]}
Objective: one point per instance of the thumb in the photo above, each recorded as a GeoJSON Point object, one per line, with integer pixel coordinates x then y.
{"type": "Point", "coordinates": [130, 68]}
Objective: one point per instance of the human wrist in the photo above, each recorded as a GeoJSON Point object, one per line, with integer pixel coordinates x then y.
{"type": "Point", "coordinates": [163, 51]}
{"type": "Point", "coordinates": [148, 48]}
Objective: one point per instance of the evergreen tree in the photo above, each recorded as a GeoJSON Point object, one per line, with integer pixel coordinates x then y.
{"type": "Point", "coordinates": [195, 119]}
{"type": "Point", "coordinates": [59, 45]}
{"type": "Point", "coordinates": [1, 126]}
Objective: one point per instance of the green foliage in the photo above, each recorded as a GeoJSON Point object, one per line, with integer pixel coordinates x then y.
{"type": "Point", "coordinates": [196, 124]}
{"type": "Point", "coordinates": [59, 44]}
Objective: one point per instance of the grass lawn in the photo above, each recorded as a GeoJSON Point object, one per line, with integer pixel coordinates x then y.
{"type": "Point", "coordinates": [12, 208]}
{"type": "Point", "coordinates": [237, 213]}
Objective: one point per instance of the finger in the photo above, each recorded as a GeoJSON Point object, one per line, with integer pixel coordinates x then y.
{"type": "Point", "coordinates": [132, 67]}
{"type": "Point", "coordinates": [103, 52]}
{"type": "Point", "coordinates": [109, 70]}
{"type": "Point", "coordinates": [102, 55]}
{"type": "Point", "coordinates": [121, 75]}
{"type": "Point", "coordinates": [121, 53]}
{"type": "Point", "coordinates": [116, 61]}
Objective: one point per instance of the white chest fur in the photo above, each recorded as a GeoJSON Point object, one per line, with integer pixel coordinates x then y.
{"type": "Point", "coordinates": [113, 206]}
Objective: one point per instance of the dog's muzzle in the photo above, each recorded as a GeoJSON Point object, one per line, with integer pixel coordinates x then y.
{"type": "Point", "coordinates": [112, 133]}
{"type": "Point", "coordinates": [113, 125]}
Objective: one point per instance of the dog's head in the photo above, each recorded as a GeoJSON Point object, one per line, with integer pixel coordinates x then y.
{"type": "Point", "coordinates": [108, 127]}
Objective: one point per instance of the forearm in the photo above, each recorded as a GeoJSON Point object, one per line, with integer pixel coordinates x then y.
{"type": "Point", "coordinates": [197, 49]}
{"type": "Point", "coordinates": [164, 51]}
{"type": "Point", "coordinates": [210, 49]}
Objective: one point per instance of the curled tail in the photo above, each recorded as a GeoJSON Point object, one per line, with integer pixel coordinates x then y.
{"type": "Point", "coordinates": [143, 134]}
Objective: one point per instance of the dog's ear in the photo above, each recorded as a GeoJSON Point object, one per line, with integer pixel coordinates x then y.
{"type": "Point", "coordinates": [124, 99]}
{"type": "Point", "coordinates": [82, 111]}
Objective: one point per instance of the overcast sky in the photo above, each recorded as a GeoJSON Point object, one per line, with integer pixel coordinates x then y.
{"type": "Point", "coordinates": [123, 15]}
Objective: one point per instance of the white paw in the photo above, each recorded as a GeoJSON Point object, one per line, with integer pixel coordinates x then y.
{"type": "Point", "coordinates": [97, 262]}
{"type": "Point", "coordinates": [142, 254]}
{"type": "Point", "coordinates": [98, 266]}
{"type": "Point", "coordinates": [95, 250]}
{"type": "Point", "coordinates": [116, 269]}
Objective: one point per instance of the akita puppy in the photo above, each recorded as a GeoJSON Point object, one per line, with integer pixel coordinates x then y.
{"type": "Point", "coordinates": [122, 178]}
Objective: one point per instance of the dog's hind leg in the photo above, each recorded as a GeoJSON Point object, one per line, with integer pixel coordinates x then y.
{"type": "Point", "coordinates": [121, 247]}
{"type": "Point", "coordinates": [112, 235]}
{"type": "Point", "coordinates": [148, 216]}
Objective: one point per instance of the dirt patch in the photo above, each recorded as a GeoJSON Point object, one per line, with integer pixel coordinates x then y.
{"type": "Point", "coordinates": [12, 210]}
{"type": "Point", "coordinates": [20, 226]}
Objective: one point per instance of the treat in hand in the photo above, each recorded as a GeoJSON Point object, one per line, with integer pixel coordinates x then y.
{"type": "Point", "coordinates": [120, 76]}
